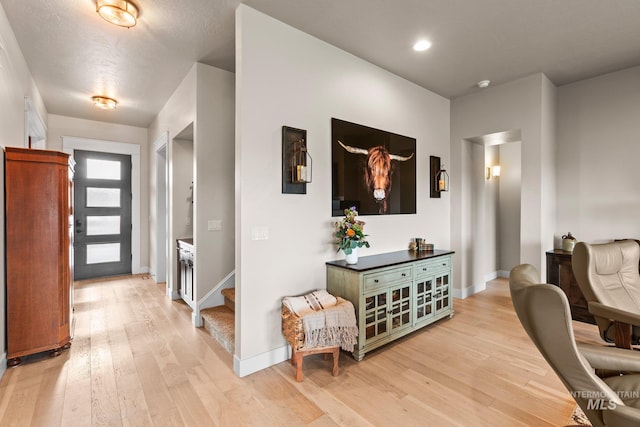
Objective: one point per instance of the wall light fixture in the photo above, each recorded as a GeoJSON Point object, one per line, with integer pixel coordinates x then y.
{"type": "Point", "coordinates": [492, 172]}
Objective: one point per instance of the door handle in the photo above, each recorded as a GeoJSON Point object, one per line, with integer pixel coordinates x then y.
{"type": "Point", "coordinates": [78, 226]}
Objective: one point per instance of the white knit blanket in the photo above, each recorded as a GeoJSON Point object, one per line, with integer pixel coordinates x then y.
{"type": "Point", "coordinates": [310, 303]}
{"type": "Point", "coordinates": [332, 326]}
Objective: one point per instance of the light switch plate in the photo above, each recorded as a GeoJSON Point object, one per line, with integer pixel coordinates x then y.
{"type": "Point", "coordinates": [260, 233]}
{"type": "Point", "coordinates": [214, 225]}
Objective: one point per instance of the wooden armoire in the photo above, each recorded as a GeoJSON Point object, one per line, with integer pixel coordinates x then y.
{"type": "Point", "coordinates": [39, 253]}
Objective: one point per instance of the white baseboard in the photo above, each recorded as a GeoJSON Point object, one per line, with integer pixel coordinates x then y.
{"type": "Point", "coordinates": [466, 292]}
{"type": "Point", "coordinates": [140, 270]}
{"type": "Point", "coordinates": [494, 275]}
{"type": "Point", "coordinates": [174, 295]}
{"type": "Point", "coordinates": [262, 361]}
{"type": "Point", "coordinates": [196, 319]}
{"type": "Point", "coordinates": [3, 364]}
{"type": "Point", "coordinates": [214, 297]}
{"type": "Point", "coordinates": [490, 276]}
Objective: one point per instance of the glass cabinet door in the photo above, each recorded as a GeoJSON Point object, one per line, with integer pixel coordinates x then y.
{"type": "Point", "coordinates": [400, 312]}
{"type": "Point", "coordinates": [375, 318]}
{"type": "Point", "coordinates": [442, 298]}
{"type": "Point", "coordinates": [424, 299]}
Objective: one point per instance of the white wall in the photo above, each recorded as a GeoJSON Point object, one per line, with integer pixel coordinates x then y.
{"type": "Point", "coordinates": [176, 115]}
{"type": "Point", "coordinates": [525, 105]}
{"type": "Point", "coordinates": [510, 183]}
{"type": "Point", "coordinates": [205, 98]}
{"type": "Point", "coordinates": [599, 157]}
{"type": "Point", "coordinates": [15, 83]}
{"type": "Point", "coordinates": [214, 172]}
{"type": "Point", "coordinates": [490, 236]}
{"type": "Point", "coordinates": [286, 77]}
{"type": "Point", "coordinates": [60, 126]}
{"type": "Point", "coordinates": [182, 163]}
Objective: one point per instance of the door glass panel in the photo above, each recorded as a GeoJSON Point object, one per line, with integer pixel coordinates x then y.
{"type": "Point", "coordinates": [103, 252]}
{"type": "Point", "coordinates": [103, 197]}
{"type": "Point", "coordinates": [103, 169]}
{"type": "Point", "coordinates": [103, 225]}
{"type": "Point", "coordinates": [370, 302]}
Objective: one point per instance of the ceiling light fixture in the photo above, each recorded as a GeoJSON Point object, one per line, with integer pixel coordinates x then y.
{"type": "Point", "coordinates": [119, 12]}
{"type": "Point", "coordinates": [421, 45]}
{"type": "Point", "coordinates": [483, 83]}
{"type": "Point", "coordinates": [104, 102]}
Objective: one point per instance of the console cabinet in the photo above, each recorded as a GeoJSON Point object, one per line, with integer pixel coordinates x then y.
{"type": "Point", "coordinates": [393, 293]}
{"type": "Point", "coordinates": [560, 273]}
{"type": "Point", "coordinates": [39, 252]}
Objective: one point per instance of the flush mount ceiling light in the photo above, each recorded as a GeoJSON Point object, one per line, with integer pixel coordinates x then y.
{"type": "Point", "coordinates": [483, 83]}
{"type": "Point", "coordinates": [119, 12]}
{"type": "Point", "coordinates": [104, 102]}
{"type": "Point", "coordinates": [421, 45]}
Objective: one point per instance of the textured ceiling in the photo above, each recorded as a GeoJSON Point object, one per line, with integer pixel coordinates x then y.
{"type": "Point", "coordinates": [73, 54]}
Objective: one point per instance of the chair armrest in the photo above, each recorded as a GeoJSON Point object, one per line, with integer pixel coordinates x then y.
{"type": "Point", "coordinates": [610, 358]}
{"type": "Point", "coordinates": [598, 309]}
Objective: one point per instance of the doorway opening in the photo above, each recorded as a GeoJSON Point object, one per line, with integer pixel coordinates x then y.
{"type": "Point", "coordinates": [494, 204]}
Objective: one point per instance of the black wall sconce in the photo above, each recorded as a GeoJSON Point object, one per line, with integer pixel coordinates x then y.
{"type": "Point", "coordinates": [297, 164]}
{"type": "Point", "coordinates": [439, 177]}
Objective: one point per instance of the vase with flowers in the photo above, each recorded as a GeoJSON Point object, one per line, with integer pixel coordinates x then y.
{"type": "Point", "coordinates": [350, 235]}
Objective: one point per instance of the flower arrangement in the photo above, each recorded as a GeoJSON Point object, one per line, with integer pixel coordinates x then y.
{"type": "Point", "coordinates": [349, 232]}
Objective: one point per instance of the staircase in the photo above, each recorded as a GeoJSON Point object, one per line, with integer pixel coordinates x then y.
{"type": "Point", "coordinates": [220, 322]}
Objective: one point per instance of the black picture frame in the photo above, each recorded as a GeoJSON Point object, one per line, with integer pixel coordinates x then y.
{"type": "Point", "coordinates": [434, 168]}
{"type": "Point", "coordinates": [351, 181]}
{"type": "Point", "coordinates": [290, 136]}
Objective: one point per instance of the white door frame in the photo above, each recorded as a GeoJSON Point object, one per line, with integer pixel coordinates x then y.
{"type": "Point", "coordinates": [160, 146]}
{"type": "Point", "coordinates": [70, 143]}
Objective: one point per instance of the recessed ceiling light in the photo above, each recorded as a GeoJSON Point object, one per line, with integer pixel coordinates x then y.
{"type": "Point", "coordinates": [421, 45]}
{"type": "Point", "coordinates": [104, 102]}
{"type": "Point", "coordinates": [483, 83]}
{"type": "Point", "coordinates": [119, 12]}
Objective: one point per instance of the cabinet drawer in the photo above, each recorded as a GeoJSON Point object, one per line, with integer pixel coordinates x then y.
{"type": "Point", "coordinates": [385, 278]}
{"type": "Point", "coordinates": [433, 266]}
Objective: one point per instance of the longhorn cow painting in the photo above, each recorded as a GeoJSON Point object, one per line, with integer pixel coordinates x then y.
{"type": "Point", "coordinates": [372, 169]}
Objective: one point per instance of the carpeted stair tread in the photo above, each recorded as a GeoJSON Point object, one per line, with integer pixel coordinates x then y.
{"type": "Point", "coordinates": [219, 321]}
{"type": "Point", "coordinates": [229, 295]}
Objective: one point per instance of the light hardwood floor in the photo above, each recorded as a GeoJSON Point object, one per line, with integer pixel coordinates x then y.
{"type": "Point", "coordinates": [136, 360]}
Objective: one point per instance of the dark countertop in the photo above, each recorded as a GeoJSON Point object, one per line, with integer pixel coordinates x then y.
{"type": "Point", "coordinates": [388, 259]}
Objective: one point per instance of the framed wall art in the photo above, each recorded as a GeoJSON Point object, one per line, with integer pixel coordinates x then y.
{"type": "Point", "coordinates": [372, 169]}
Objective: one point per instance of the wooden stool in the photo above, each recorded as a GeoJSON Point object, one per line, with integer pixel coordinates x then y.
{"type": "Point", "coordinates": [296, 358]}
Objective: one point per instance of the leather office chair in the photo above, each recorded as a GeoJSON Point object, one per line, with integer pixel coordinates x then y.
{"type": "Point", "coordinates": [544, 313]}
{"type": "Point", "coordinates": [608, 277]}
